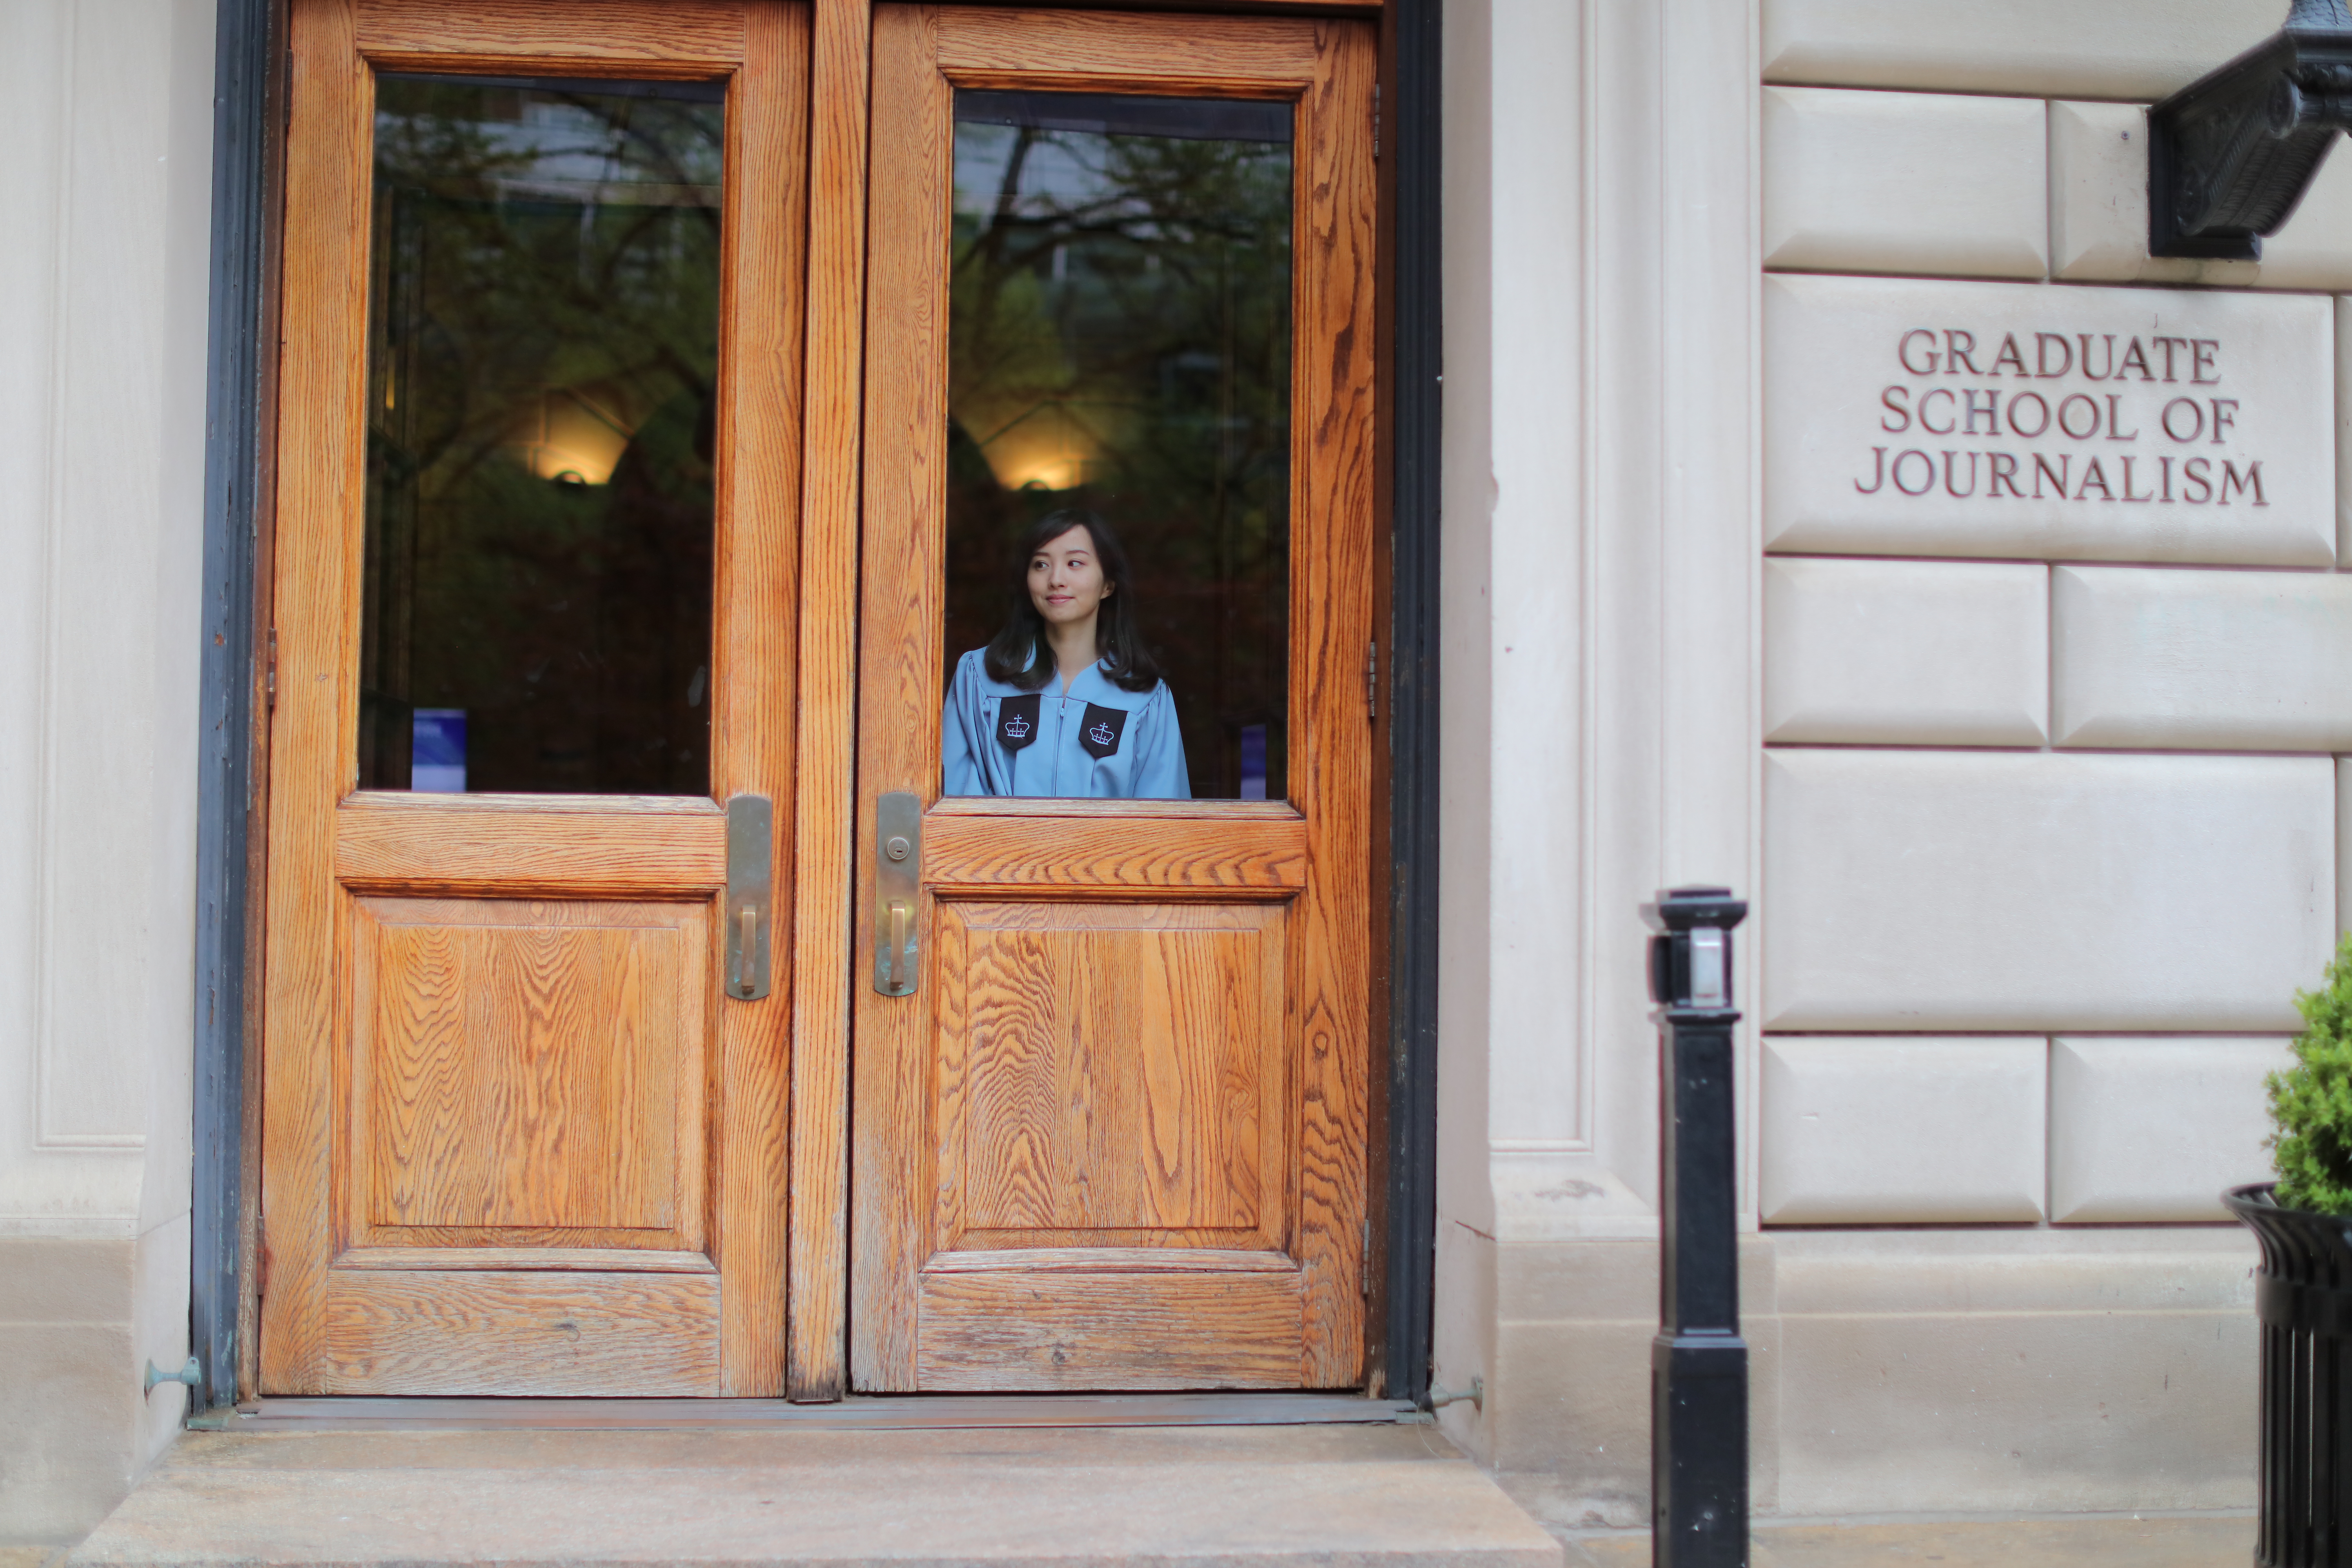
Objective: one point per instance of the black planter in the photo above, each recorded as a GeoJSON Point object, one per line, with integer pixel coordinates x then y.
{"type": "Point", "coordinates": [2302, 1298]}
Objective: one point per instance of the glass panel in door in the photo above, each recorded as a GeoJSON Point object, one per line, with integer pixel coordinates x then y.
{"type": "Point", "coordinates": [1119, 343]}
{"type": "Point", "coordinates": [543, 376]}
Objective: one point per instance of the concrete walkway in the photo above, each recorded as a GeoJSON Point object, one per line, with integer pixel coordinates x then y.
{"type": "Point", "coordinates": [1205, 1497]}
{"type": "Point", "coordinates": [1201, 1497]}
{"type": "Point", "coordinates": [2097, 1541]}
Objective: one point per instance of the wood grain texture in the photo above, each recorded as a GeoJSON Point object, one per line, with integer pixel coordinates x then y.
{"type": "Point", "coordinates": [1109, 1075]}
{"type": "Point", "coordinates": [673, 38]}
{"type": "Point", "coordinates": [755, 666]}
{"type": "Point", "coordinates": [322, 361]}
{"type": "Point", "coordinates": [1081, 52]}
{"type": "Point", "coordinates": [1365, 8]}
{"type": "Point", "coordinates": [520, 1086]}
{"type": "Point", "coordinates": [969, 854]}
{"type": "Point", "coordinates": [1333, 484]}
{"type": "Point", "coordinates": [614, 1335]}
{"type": "Point", "coordinates": [1110, 1259]}
{"type": "Point", "coordinates": [1045, 1090]}
{"type": "Point", "coordinates": [1058, 809]}
{"type": "Point", "coordinates": [984, 1332]}
{"type": "Point", "coordinates": [901, 631]}
{"type": "Point", "coordinates": [520, 1065]}
{"type": "Point", "coordinates": [455, 843]}
{"type": "Point", "coordinates": [824, 798]}
{"type": "Point", "coordinates": [539, 1256]}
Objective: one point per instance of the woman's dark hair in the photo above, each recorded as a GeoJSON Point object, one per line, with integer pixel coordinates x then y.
{"type": "Point", "coordinates": [1019, 655]}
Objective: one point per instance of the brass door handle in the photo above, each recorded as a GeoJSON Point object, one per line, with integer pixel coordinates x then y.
{"type": "Point", "coordinates": [898, 879]}
{"type": "Point", "coordinates": [751, 884]}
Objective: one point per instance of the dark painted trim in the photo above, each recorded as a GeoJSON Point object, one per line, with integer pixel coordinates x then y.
{"type": "Point", "coordinates": [1412, 134]}
{"type": "Point", "coordinates": [243, 39]}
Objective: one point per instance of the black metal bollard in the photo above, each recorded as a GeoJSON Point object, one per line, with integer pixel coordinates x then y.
{"type": "Point", "coordinates": [1698, 1362]}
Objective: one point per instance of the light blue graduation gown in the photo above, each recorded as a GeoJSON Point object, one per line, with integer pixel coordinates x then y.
{"type": "Point", "coordinates": [1096, 740]}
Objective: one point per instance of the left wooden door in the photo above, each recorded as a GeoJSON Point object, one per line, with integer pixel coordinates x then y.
{"type": "Point", "coordinates": [534, 589]}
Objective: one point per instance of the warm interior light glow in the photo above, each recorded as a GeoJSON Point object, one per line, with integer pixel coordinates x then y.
{"type": "Point", "coordinates": [574, 435]}
{"type": "Point", "coordinates": [1048, 447]}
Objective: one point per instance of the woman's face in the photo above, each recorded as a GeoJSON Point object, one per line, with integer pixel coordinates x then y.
{"type": "Point", "coordinates": [1066, 579]}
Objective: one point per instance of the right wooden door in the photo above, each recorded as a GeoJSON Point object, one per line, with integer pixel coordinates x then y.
{"type": "Point", "coordinates": [1114, 1135]}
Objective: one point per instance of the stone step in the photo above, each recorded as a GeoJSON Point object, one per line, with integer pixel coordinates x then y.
{"type": "Point", "coordinates": [1363, 1495]}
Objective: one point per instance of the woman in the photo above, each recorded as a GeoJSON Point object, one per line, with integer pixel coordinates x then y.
{"type": "Point", "coordinates": [1065, 701]}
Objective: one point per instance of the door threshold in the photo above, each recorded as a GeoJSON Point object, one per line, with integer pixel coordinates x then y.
{"type": "Point", "coordinates": [940, 1411]}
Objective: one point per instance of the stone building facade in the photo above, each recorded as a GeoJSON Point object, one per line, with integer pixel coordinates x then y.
{"type": "Point", "coordinates": [2040, 793]}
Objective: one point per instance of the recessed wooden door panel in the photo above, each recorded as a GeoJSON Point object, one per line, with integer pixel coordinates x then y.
{"type": "Point", "coordinates": [1037, 1327]}
{"type": "Point", "coordinates": [1109, 1075]}
{"type": "Point", "coordinates": [515, 1140]}
{"type": "Point", "coordinates": [520, 1331]}
{"type": "Point", "coordinates": [526, 1068]}
{"type": "Point", "coordinates": [1117, 1139]}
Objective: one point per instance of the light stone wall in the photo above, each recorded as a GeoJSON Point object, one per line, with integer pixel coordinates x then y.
{"type": "Point", "coordinates": [2033, 890]}
{"type": "Point", "coordinates": [107, 112]}
{"type": "Point", "coordinates": [2133, 49]}
{"type": "Point", "coordinates": [2121, 905]}
{"type": "Point", "coordinates": [1916, 653]}
{"type": "Point", "coordinates": [1910, 1129]}
{"type": "Point", "coordinates": [1617, 641]}
{"type": "Point", "coordinates": [2048, 813]}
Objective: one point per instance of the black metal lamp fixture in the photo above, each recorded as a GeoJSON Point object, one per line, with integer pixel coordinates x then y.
{"type": "Point", "coordinates": [2230, 155]}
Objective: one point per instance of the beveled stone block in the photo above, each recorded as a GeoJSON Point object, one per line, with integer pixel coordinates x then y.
{"type": "Point", "coordinates": [2344, 845]}
{"type": "Point", "coordinates": [1904, 182]}
{"type": "Point", "coordinates": [1907, 1130]}
{"type": "Point", "coordinates": [2150, 1131]}
{"type": "Point", "coordinates": [2098, 202]}
{"type": "Point", "coordinates": [2084, 48]}
{"type": "Point", "coordinates": [2043, 892]}
{"type": "Point", "coordinates": [1905, 652]}
{"type": "Point", "coordinates": [2013, 1273]}
{"type": "Point", "coordinates": [2344, 431]}
{"type": "Point", "coordinates": [1906, 417]}
{"type": "Point", "coordinates": [2064, 1410]}
{"type": "Point", "coordinates": [2098, 212]}
{"type": "Point", "coordinates": [2244, 661]}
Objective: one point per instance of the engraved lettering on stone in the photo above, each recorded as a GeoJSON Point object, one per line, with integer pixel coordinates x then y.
{"type": "Point", "coordinates": [1956, 384]}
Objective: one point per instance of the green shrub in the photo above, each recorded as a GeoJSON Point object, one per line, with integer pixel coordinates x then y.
{"type": "Point", "coordinates": [2311, 1103]}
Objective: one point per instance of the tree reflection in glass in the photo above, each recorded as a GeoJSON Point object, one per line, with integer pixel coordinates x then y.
{"type": "Point", "coordinates": [1120, 340]}
{"type": "Point", "coordinates": [543, 320]}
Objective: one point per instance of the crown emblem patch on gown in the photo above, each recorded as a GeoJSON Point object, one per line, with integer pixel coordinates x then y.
{"type": "Point", "coordinates": [1016, 720]}
{"type": "Point", "coordinates": [1103, 728]}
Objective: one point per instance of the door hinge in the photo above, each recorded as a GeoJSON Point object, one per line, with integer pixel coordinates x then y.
{"type": "Point", "coordinates": [261, 1272]}
{"type": "Point", "coordinates": [1376, 123]}
{"type": "Point", "coordinates": [1365, 1267]}
{"type": "Point", "coordinates": [1372, 681]}
{"type": "Point", "coordinates": [270, 675]}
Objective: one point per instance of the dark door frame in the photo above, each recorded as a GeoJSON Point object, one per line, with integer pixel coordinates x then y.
{"type": "Point", "coordinates": [248, 104]}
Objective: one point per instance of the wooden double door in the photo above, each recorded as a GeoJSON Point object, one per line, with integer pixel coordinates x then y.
{"type": "Point", "coordinates": [666, 392]}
